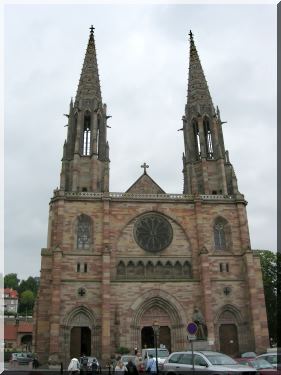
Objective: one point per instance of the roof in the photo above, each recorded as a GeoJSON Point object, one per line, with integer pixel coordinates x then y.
{"type": "Point", "coordinates": [11, 292]}
{"type": "Point", "coordinates": [25, 327]}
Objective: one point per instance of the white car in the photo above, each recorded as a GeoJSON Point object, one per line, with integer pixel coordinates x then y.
{"type": "Point", "coordinates": [205, 362]}
{"type": "Point", "coordinates": [272, 358]}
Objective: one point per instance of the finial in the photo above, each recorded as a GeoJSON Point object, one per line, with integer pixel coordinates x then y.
{"type": "Point", "coordinates": [144, 166]}
{"type": "Point", "coordinates": [190, 35]}
{"type": "Point", "coordinates": [92, 30]}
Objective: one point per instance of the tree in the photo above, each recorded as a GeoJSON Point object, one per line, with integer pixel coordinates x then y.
{"type": "Point", "coordinates": [11, 281]}
{"type": "Point", "coordinates": [27, 300]}
{"type": "Point", "coordinates": [29, 284]}
{"type": "Point", "coordinates": [269, 275]}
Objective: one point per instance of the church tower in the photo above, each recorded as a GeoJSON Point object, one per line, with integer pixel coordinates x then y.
{"type": "Point", "coordinates": [85, 162]}
{"type": "Point", "coordinates": [117, 263]}
{"type": "Point", "coordinates": [206, 165]}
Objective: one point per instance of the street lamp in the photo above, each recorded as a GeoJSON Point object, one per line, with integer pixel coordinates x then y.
{"type": "Point", "coordinates": [156, 328]}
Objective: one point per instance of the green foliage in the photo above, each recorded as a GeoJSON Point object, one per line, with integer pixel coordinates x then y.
{"type": "Point", "coordinates": [27, 300]}
{"type": "Point", "coordinates": [29, 284]}
{"type": "Point", "coordinates": [268, 261]}
{"type": "Point", "coordinates": [11, 281]}
{"type": "Point", "coordinates": [123, 350]}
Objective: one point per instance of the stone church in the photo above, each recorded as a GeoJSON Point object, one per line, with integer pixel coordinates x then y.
{"type": "Point", "coordinates": [116, 262]}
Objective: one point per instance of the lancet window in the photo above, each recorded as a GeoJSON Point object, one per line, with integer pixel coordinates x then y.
{"type": "Point", "coordinates": [87, 134]}
{"type": "Point", "coordinates": [84, 232]}
{"type": "Point", "coordinates": [222, 236]}
{"type": "Point", "coordinates": [197, 147]}
{"type": "Point", "coordinates": [208, 138]}
{"type": "Point", "coordinates": [98, 133]}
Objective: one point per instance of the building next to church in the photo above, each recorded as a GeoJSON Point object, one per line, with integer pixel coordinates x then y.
{"type": "Point", "coordinates": [116, 262]}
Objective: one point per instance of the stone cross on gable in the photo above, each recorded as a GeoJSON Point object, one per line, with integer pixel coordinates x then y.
{"type": "Point", "coordinates": [144, 166]}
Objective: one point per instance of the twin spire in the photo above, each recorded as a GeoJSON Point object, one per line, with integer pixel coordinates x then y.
{"type": "Point", "coordinates": [89, 83]}
{"type": "Point", "coordinates": [198, 96]}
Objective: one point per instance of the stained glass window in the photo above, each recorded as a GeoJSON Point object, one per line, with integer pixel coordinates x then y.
{"type": "Point", "coordinates": [83, 232]}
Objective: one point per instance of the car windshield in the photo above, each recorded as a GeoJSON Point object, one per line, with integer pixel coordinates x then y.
{"type": "Point", "coordinates": [161, 353]}
{"type": "Point", "coordinates": [220, 359]}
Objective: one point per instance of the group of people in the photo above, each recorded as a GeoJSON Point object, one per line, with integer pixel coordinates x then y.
{"type": "Point", "coordinates": [116, 366]}
{"type": "Point", "coordinates": [75, 366]}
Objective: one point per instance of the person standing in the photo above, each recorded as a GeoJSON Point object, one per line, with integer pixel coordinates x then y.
{"type": "Point", "coordinates": [120, 368]}
{"type": "Point", "coordinates": [151, 365]}
{"type": "Point", "coordinates": [95, 367]}
{"type": "Point", "coordinates": [132, 368]}
{"type": "Point", "coordinates": [73, 366]}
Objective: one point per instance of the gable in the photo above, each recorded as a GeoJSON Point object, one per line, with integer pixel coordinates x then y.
{"type": "Point", "coordinates": [145, 185]}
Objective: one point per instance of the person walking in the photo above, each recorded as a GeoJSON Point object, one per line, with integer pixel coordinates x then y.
{"type": "Point", "coordinates": [74, 366]}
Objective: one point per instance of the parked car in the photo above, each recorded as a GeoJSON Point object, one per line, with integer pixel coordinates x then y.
{"type": "Point", "coordinates": [272, 358]}
{"type": "Point", "coordinates": [205, 362]}
{"type": "Point", "coordinates": [89, 363]}
{"type": "Point", "coordinates": [260, 364]}
{"type": "Point", "coordinates": [22, 358]}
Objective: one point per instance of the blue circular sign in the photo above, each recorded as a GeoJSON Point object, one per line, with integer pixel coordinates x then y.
{"type": "Point", "coordinates": [192, 328]}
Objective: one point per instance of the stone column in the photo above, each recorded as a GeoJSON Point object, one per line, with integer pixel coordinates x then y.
{"type": "Point", "coordinates": [257, 302]}
{"type": "Point", "coordinates": [207, 295]}
{"type": "Point", "coordinates": [55, 344]}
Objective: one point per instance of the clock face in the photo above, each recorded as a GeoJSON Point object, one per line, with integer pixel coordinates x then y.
{"type": "Point", "coordinates": [153, 232]}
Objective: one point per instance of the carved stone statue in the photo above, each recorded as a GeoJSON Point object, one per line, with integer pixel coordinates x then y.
{"type": "Point", "coordinates": [198, 318]}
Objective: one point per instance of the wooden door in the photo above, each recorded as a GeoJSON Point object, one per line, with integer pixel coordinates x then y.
{"type": "Point", "coordinates": [229, 340]}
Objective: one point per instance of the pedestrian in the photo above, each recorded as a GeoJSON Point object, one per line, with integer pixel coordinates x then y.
{"type": "Point", "coordinates": [35, 362]}
{"type": "Point", "coordinates": [151, 365]}
{"type": "Point", "coordinates": [84, 364]}
{"type": "Point", "coordinates": [95, 367]}
{"type": "Point", "coordinates": [132, 368]}
{"type": "Point", "coordinates": [74, 366]}
{"type": "Point", "coordinates": [120, 368]}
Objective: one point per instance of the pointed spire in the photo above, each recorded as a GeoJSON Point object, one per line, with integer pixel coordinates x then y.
{"type": "Point", "coordinates": [89, 83]}
{"type": "Point", "coordinates": [198, 95]}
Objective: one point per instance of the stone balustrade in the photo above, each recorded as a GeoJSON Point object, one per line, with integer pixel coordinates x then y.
{"type": "Point", "coordinates": [137, 196]}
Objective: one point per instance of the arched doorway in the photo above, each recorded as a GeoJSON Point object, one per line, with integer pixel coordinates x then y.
{"type": "Point", "coordinates": [26, 343]}
{"type": "Point", "coordinates": [151, 315]}
{"type": "Point", "coordinates": [80, 341]}
{"type": "Point", "coordinates": [228, 330]}
{"type": "Point", "coordinates": [81, 334]}
{"type": "Point", "coordinates": [147, 337]}
{"type": "Point", "coordinates": [229, 340]}
{"type": "Point", "coordinates": [162, 307]}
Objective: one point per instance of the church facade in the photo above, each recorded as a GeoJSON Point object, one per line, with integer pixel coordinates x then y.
{"type": "Point", "coordinates": [117, 262]}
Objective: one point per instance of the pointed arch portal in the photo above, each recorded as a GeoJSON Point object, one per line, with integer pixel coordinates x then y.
{"type": "Point", "coordinates": [81, 333]}
{"type": "Point", "coordinates": [161, 307]}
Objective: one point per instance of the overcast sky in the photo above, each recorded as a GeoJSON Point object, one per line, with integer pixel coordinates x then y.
{"type": "Point", "coordinates": [142, 53]}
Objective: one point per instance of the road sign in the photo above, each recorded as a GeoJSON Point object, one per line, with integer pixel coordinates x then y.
{"type": "Point", "coordinates": [192, 328]}
{"type": "Point", "coordinates": [191, 337]}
